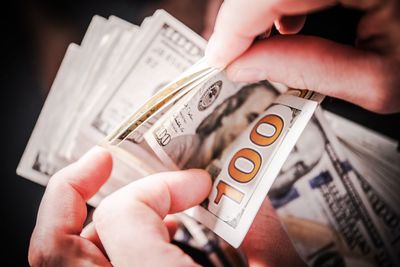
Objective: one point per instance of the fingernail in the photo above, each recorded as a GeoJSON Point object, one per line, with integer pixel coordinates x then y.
{"type": "Point", "coordinates": [214, 52]}
{"type": "Point", "coordinates": [246, 75]}
{"type": "Point", "coordinates": [278, 25]}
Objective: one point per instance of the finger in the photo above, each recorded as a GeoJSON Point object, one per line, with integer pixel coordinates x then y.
{"type": "Point", "coordinates": [89, 233]}
{"type": "Point", "coordinates": [267, 244]}
{"type": "Point", "coordinates": [239, 22]}
{"type": "Point", "coordinates": [137, 212]}
{"type": "Point", "coordinates": [69, 250]}
{"type": "Point", "coordinates": [290, 24]}
{"type": "Point", "coordinates": [63, 207]}
{"type": "Point", "coordinates": [172, 225]}
{"type": "Point", "coordinates": [210, 17]}
{"type": "Point", "coordinates": [378, 30]}
{"type": "Point", "coordinates": [365, 4]}
{"type": "Point", "coordinates": [306, 62]}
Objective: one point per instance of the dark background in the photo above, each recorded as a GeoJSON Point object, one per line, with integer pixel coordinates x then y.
{"type": "Point", "coordinates": [34, 38]}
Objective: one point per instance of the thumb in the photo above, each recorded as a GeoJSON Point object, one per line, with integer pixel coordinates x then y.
{"type": "Point", "coordinates": [317, 64]}
{"type": "Point", "coordinates": [267, 243]}
{"type": "Point", "coordinates": [63, 207]}
{"type": "Point", "coordinates": [130, 223]}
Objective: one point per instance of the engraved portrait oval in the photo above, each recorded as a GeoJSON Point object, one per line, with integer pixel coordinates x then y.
{"type": "Point", "coordinates": [209, 95]}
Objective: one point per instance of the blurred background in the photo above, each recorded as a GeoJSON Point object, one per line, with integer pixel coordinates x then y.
{"type": "Point", "coordinates": [35, 36]}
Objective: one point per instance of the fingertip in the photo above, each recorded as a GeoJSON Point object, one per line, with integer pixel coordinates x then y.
{"type": "Point", "coordinates": [98, 157]}
{"type": "Point", "coordinates": [196, 171]}
{"type": "Point", "coordinates": [188, 188]}
{"type": "Point", "coordinates": [105, 159]}
{"type": "Point", "coordinates": [290, 24]}
{"type": "Point", "coordinates": [70, 188]}
{"type": "Point", "coordinates": [214, 54]}
{"type": "Point", "coordinates": [89, 173]}
{"type": "Point", "coordinates": [202, 177]}
{"type": "Point", "coordinates": [98, 152]}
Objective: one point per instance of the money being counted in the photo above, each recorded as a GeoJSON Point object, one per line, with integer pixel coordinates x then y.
{"type": "Point", "coordinates": [248, 167]}
{"type": "Point", "coordinates": [128, 65]}
{"type": "Point", "coordinates": [205, 129]}
{"type": "Point", "coordinates": [336, 193]}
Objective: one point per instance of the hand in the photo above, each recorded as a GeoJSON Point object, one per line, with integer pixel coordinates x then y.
{"type": "Point", "coordinates": [267, 244]}
{"type": "Point", "coordinates": [129, 226]}
{"type": "Point", "coordinates": [366, 75]}
{"type": "Point", "coordinates": [57, 238]}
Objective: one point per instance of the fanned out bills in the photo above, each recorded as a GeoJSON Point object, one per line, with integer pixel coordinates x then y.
{"type": "Point", "coordinates": [334, 200]}
{"type": "Point", "coordinates": [146, 94]}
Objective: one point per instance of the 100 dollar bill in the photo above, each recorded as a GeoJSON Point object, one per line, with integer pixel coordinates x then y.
{"type": "Point", "coordinates": [192, 133]}
{"type": "Point", "coordinates": [330, 211]}
{"type": "Point", "coordinates": [250, 166]}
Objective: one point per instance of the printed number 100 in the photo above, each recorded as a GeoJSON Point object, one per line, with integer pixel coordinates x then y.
{"type": "Point", "coordinates": [251, 155]}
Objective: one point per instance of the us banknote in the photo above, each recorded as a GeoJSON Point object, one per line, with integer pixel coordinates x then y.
{"type": "Point", "coordinates": [213, 127]}
{"type": "Point", "coordinates": [99, 84]}
{"type": "Point", "coordinates": [332, 213]}
{"type": "Point", "coordinates": [145, 94]}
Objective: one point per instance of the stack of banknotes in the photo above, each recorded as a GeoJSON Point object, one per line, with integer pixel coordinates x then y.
{"type": "Point", "coordinates": [146, 94]}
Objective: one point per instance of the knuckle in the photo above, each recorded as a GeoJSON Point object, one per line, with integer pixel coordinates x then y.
{"type": "Point", "coordinates": [36, 253]}
{"type": "Point", "coordinates": [55, 251]}
{"type": "Point", "coordinates": [385, 106]}
{"type": "Point", "coordinates": [36, 258]}
{"type": "Point", "coordinates": [383, 95]}
{"type": "Point", "coordinates": [378, 106]}
{"type": "Point", "coordinates": [43, 252]}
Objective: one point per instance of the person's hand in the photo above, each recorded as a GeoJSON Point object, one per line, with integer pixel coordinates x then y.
{"type": "Point", "coordinates": [57, 238]}
{"type": "Point", "coordinates": [366, 74]}
{"type": "Point", "coordinates": [129, 226]}
{"type": "Point", "coordinates": [267, 244]}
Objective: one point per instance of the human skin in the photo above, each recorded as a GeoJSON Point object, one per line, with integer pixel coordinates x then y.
{"type": "Point", "coordinates": [365, 74]}
{"type": "Point", "coordinates": [129, 226]}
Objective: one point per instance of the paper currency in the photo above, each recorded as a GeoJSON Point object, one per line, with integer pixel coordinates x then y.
{"type": "Point", "coordinates": [332, 214]}
{"type": "Point", "coordinates": [145, 94]}
{"type": "Point", "coordinates": [133, 64]}
{"type": "Point", "coordinates": [202, 124]}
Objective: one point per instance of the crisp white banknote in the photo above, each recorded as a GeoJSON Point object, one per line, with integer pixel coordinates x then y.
{"type": "Point", "coordinates": [241, 133]}
{"type": "Point", "coordinates": [213, 126]}
{"type": "Point", "coordinates": [249, 166]}
{"type": "Point", "coordinates": [112, 46]}
{"type": "Point", "coordinates": [331, 211]}
{"type": "Point", "coordinates": [34, 164]}
{"type": "Point", "coordinates": [40, 160]}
